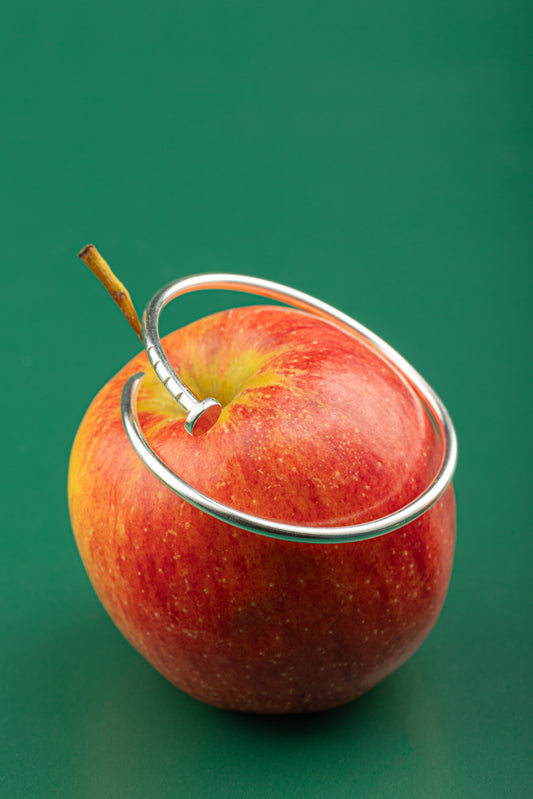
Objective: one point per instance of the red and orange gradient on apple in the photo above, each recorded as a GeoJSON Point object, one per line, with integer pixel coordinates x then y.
{"type": "Point", "coordinates": [316, 428]}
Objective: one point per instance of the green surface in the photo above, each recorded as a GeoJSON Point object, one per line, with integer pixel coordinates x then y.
{"type": "Point", "coordinates": [376, 155]}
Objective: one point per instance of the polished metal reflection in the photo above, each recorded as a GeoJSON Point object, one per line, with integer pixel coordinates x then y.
{"type": "Point", "coordinates": [201, 414]}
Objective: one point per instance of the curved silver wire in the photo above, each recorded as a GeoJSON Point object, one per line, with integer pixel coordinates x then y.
{"type": "Point", "coordinates": [195, 408]}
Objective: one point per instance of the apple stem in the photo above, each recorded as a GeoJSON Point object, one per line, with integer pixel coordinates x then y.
{"type": "Point", "coordinates": [119, 293]}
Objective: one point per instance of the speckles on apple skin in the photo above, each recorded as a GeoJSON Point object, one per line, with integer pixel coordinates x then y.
{"type": "Point", "coordinates": [377, 645]}
{"type": "Point", "coordinates": [252, 623]}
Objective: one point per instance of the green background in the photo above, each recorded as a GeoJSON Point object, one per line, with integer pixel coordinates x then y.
{"type": "Point", "coordinates": [377, 155]}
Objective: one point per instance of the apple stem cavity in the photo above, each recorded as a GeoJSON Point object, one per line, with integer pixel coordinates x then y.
{"type": "Point", "coordinates": [119, 293]}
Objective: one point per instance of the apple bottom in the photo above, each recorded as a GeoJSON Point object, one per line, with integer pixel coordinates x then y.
{"type": "Point", "coordinates": [255, 624]}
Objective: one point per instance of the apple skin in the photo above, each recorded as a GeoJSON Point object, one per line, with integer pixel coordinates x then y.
{"type": "Point", "coordinates": [316, 428]}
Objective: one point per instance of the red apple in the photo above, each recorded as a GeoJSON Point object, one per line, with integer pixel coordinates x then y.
{"type": "Point", "coordinates": [316, 428]}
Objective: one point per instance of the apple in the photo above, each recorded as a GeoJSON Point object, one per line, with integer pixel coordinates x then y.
{"type": "Point", "coordinates": [316, 428]}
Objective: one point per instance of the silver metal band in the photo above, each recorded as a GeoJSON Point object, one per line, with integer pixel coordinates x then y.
{"type": "Point", "coordinates": [202, 414]}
